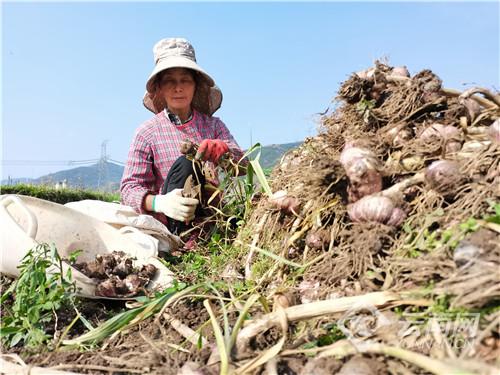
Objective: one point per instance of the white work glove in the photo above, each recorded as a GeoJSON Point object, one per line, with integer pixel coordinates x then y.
{"type": "Point", "coordinates": [175, 206]}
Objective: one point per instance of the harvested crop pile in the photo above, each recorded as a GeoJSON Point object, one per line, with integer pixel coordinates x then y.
{"type": "Point", "coordinates": [116, 274]}
{"type": "Point", "coordinates": [397, 193]}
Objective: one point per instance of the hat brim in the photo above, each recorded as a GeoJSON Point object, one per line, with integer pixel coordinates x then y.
{"type": "Point", "coordinates": [207, 98]}
{"type": "Point", "coordinates": [176, 62]}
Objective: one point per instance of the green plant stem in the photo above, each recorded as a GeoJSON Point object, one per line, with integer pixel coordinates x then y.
{"type": "Point", "coordinates": [224, 358]}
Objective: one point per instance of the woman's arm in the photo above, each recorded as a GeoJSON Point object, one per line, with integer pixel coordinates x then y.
{"type": "Point", "coordinates": [138, 178]}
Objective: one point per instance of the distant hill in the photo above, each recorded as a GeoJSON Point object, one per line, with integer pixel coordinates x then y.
{"type": "Point", "coordinates": [89, 177]}
{"type": "Point", "coordinates": [271, 154]}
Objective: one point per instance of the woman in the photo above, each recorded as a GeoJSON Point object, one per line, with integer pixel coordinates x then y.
{"type": "Point", "coordinates": [183, 97]}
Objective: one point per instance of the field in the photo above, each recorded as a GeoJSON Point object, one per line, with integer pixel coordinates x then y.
{"type": "Point", "coordinates": [373, 248]}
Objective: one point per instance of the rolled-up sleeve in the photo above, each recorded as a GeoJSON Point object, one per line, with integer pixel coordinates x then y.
{"type": "Point", "coordinates": [138, 177]}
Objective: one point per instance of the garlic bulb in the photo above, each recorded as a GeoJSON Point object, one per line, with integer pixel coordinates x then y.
{"type": "Point", "coordinates": [362, 169]}
{"type": "Point", "coordinates": [402, 137]}
{"type": "Point", "coordinates": [465, 253]}
{"type": "Point", "coordinates": [443, 175]}
{"type": "Point", "coordinates": [399, 135]}
{"type": "Point", "coordinates": [366, 74]}
{"type": "Point", "coordinates": [317, 239]}
{"type": "Point", "coordinates": [287, 204]}
{"type": "Point", "coordinates": [450, 135]}
{"type": "Point", "coordinates": [376, 209]}
{"type": "Point", "coordinates": [309, 291]}
{"type": "Point", "coordinates": [471, 148]}
{"type": "Point", "coordinates": [397, 217]}
{"type": "Point", "coordinates": [400, 71]}
{"type": "Point", "coordinates": [494, 131]}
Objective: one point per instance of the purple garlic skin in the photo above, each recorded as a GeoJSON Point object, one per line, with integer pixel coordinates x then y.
{"type": "Point", "coordinates": [366, 74]}
{"type": "Point", "coordinates": [431, 85]}
{"type": "Point", "coordinates": [443, 175]}
{"type": "Point", "coordinates": [94, 270]}
{"type": "Point", "coordinates": [133, 283]}
{"type": "Point", "coordinates": [287, 204]}
{"type": "Point", "coordinates": [400, 71]}
{"type": "Point", "coordinates": [451, 136]}
{"type": "Point", "coordinates": [362, 169]}
{"type": "Point", "coordinates": [494, 131]}
{"type": "Point", "coordinates": [112, 287]}
{"type": "Point", "coordinates": [399, 135]}
{"type": "Point", "coordinates": [317, 239]}
{"type": "Point", "coordinates": [377, 209]}
{"type": "Point", "coordinates": [397, 218]}
{"type": "Point", "coordinates": [308, 291]}
{"type": "Point", "coordinates": [402, 137]}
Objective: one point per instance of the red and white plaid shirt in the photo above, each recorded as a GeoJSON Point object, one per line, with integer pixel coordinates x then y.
{"type": "Point", "coordinates": [155, 148]}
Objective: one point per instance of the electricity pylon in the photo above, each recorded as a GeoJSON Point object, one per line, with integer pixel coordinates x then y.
{"type": "Point", "coordinates": [103, 166]}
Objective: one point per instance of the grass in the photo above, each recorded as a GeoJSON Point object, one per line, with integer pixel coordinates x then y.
{"type": "Point", "coordinates": [60, 196]}
{"type": "Point", "coordinates": [426, 240]}
{"type": "Point", "coordinates": [38, 295]}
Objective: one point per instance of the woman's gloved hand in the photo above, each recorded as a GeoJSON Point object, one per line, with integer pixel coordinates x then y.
{"type": "Point", "coordinates": [211, 150]}
{"type": "Point", "coordinates": [175, 206]}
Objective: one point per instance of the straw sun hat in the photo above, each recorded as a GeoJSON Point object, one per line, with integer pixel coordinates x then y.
{"type": "Point", "coordinates": [179, 53]}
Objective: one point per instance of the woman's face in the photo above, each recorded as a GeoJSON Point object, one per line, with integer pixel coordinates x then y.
{"type": "Point", "coordinates": [177, 87]}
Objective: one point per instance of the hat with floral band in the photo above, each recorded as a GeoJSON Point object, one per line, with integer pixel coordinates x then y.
{"type": "Point", "coordinates": [179, 53]}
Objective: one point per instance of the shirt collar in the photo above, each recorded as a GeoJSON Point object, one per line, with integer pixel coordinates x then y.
{"type": "Point", "coordinates": [176, 120]}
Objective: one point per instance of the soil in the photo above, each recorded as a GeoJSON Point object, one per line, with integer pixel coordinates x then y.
{"type": "Point", "coordinates": [146, 348]}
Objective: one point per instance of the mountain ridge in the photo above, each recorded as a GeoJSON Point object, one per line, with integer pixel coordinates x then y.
{"type": "Point", "coordinates": [106, 176]}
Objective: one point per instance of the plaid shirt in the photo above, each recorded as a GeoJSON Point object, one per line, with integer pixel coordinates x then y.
{"type": "Point", "coordinates": [155, 148]}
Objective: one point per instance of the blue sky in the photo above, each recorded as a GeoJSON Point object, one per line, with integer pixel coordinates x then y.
{"type": "Point", "coordinates": [73, 74]}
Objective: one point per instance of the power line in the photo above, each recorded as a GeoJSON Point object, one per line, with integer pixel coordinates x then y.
{"type": "Point", "coordinates": [55, 162]}
{"type": "Point", "coordinates": [102, 164]}
{"type": "Point", "coordinates": [116, 161]}
{"type": "Point", "coordinates": [36, 162]}
{"type": "Point", "coordinates": [88, 161]}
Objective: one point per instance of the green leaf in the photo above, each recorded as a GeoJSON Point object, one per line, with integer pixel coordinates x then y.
{"type": "Point", "coordinates": [34, 314]}
{"type": "Point", "coordinates": [48, 305]}
{"type": "Point", "coordinates": [261, 176]}
{"type": "Point", "coordinates": [16, 339]}
{"type": "Point", "coordinates": [199, 342]}
{"type": "Point", "coordinates": [74, 255]}
{"type": "Point", "coordinates": [6, 331]}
